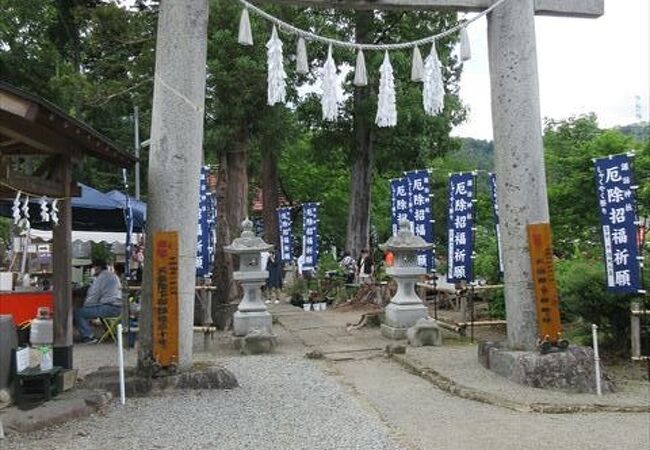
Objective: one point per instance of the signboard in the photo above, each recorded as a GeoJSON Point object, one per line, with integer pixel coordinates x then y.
{"type": "Point", "coordinates": [546, 296]}
{"type": "Point", "coordinates": [497, 226]}
{"type": "Point", "coordinates": [618, 223]}
{"type": "Point", "coordinates": [402, 199]}
{"type": "Point", "coordinates": [460, 226]}
{"type": "Point", "coordinates": [310, 234]}
{"type": "Point", "coordinates": [420, 206]}
{"type": "Point", "coordinates": [165, 297]}
{"type": "Point", "coordinates": [284, 228]}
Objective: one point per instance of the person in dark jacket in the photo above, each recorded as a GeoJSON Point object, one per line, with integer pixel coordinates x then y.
{"type": "Point", "coordinates": [274, 282]}
{"type": "Point", "coordinates": [103, 299]}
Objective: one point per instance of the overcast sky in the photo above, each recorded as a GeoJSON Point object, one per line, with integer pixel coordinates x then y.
{"type": "Point", "coordinates": [585, 65]}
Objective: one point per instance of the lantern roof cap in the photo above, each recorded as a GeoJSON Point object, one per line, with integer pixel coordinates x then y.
{"type": "Point", "coordinates": [405, 240]}
{"type": "Point", "coordinates": [247, 242]}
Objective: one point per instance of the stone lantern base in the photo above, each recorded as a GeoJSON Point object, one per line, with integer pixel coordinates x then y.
{"type": "Point", "coordinates": [246, 321]}
{"type": "Point", "coordinates": [400, 317]}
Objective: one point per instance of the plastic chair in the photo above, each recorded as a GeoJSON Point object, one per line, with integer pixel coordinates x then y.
{"type": "Point", "coordinates": [110, 327]}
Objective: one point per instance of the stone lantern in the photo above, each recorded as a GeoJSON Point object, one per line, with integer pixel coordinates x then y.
{"type": "Point", "coordinates": [251, 313]}
{"type": "Point", "coordinates": [405, 308]}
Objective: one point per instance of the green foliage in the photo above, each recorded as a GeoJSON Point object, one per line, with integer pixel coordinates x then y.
{"type": "Point", "coordinates": [91, 58]}
{"type": "Point", "coordinates": [570, 147]}
{"type": "Point", "coordinates": [101, 251]}
{"type": "Point", "coordinates": [584, 300]}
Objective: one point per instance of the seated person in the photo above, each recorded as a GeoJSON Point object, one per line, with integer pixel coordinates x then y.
{"type": "Point", "coordinates": [104, 299]}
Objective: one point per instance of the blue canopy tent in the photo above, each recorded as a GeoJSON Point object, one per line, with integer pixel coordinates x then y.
{"type": "Point", "coordinates": [92, 211]}
{"type": "Point", "coordinates": [139, 207]}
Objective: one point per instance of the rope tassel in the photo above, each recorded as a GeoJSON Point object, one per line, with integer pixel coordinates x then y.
{"type": "Point", "coordinates": [329, 101]}
{"type": "Point", "coordinates": [433, 91]}
{"type": "Point", "coordinates": [465, 46]}
{"type": "Point", "coordinates": [245, 36]}
{"type": "Point", "coordinates": [276, 76]}
{"type": "Point", "coordinates": [360, 74]}
{"type": "Point", "coordinates": [302, 63]}
{"type": "Point", "coordinates": [417, 66]}
{"type": "Point", "coordinates": [386, 109]}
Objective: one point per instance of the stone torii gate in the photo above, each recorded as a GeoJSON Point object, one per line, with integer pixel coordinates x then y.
{"type": "Point", "coordinates": [177, 136]}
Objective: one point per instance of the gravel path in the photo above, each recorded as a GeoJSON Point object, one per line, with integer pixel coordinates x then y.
{"type": "Point", "coordinates": [431, 419]}
{"type": "Point", "coordinates": [283, 402]}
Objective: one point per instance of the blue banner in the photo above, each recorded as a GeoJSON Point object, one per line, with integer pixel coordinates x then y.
{"type": "Point", "coordinates": [420, 203]}
{"type": "Point", "coordinates": [205, 232]}
{"type": "Point", "coordinates": [310, 234]}
{"type": "Point", "coordinates": [460, 226]}
{"type": "Point", "coordinates": [402, 200]}
{"type": "Point", "coordinates": [284, 228]}
{"type": "Point", "coordinates": [618, 222]}
{"type": "Point", "coordinates": [497, 226]}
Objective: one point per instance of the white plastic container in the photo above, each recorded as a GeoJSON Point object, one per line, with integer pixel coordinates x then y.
{"type": "Point", "coordinates": [6, 281]}
{"type": "Point", "coordinates": [42, 329]}
{"type": "Point", "coordinates": [306, 306]}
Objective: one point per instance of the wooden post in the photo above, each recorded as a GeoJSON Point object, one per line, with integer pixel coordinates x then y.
{"type": "Point", "coordinates": [62, 268]}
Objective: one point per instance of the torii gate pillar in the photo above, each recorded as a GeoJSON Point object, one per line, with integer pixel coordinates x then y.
{"type": "Point", "coordinates": [519, 156]}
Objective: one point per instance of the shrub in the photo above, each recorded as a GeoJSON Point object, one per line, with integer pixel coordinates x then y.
{"type": "Point", "coordinates": [584, 300]}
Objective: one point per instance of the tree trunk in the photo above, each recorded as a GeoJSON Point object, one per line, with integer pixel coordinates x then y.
{"type": "Point", "coordinates": [270, 198]}
{"type": "Point", "coordinates": [359, 211]}
{"type": "Point", "coordinates": [232, 198]}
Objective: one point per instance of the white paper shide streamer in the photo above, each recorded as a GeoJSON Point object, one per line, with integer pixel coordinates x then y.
{"type": "Point", "coordinates": [15, 209]}
{"type": "Point", "coordinates": [45, 215]}
{"type": "Point", "coordinates": [465, 47]}
{"type": "Point", "coordinates": [433, 91]}
{"type": "Point", "coordinates": [386, 109]}
{"type": "Point", "coordinates": [360, 73]}
{"type": "Point", "coordinates": [276, 77]}
{"type": "Point", "coordinates": [245, 36]}
{"type": "Point", "coordinates": [302, 63]}
{"type": "Point", "coordinates": [329, 100]}
{"type": "Point", "coordinates": [54, 212]}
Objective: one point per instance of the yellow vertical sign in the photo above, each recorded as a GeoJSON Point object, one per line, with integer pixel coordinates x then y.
{"type": "Point", "coordinates": [549, 325]}
{"type": "Point", "coordinates": [165, 297]}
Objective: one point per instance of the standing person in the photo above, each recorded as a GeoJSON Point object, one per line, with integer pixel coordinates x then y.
{"type": "Point", "coordinates": [104, 299]}
{"type": "Point", "coordinates": [274, 282]}
{"type": "Point", "coordinates": [349, 266]}
{"type": "Point", "coordinates": [366, 267]}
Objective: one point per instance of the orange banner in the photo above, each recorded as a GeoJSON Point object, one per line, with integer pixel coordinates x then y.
{"type": "Point", "coordinates": [546, 296]}
{"type": "Point", "coordinates": [165, 297]}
